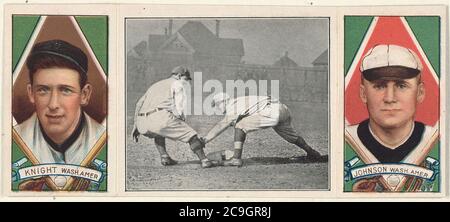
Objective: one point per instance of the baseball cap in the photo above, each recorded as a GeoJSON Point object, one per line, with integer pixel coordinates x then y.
{"type": "Point", "coordinates": [390, 62]}
{"type": "Point", "coordinates": [61, 49]}
{"type": "Point", "coordinates": [183, 71]}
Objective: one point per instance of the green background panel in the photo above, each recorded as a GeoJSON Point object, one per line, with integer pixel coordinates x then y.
{"type": "Point", "coordinates": [17, 154]}
{"type": "Point", "coordinates": [103, 155]}
{"type": "Point", "coordinates": [22, 28]}
{"type": "Point", "coordinates": [355, 28]}
{"type": "Point", "coordinates": [427, 32]}
{"type": "Point", "coordinates": [95, 29]}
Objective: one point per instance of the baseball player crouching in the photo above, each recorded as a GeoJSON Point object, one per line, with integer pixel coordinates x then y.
{"type": "Point", "coordinates": [250, 113]}
{"type": "Point", "coordinates": [159, 114]}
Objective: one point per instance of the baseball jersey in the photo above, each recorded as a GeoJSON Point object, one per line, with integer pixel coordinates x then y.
{"type": "Point", "coordinates": [238, 108]}
{"type": "Point", "coordinates": [251, 113]}
{"type": "Point", "coordinates": [80, 144]}
{"type": "Point", "coordinates": [380, 153]}
{"type": "Point", "coordinates": [168, 94]}
{"type": "Point", "coordinates": [31, 133]}
{"type": "Point", "coordinates": [410, 151]}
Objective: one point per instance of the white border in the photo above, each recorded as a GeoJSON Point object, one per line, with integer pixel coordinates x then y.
{"type": "Point", "coordinates": [336, 98]}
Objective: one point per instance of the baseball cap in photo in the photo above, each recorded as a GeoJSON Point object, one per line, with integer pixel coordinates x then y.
{"type": "Point", "coordinates": [183, 71]}
{"type": "Point", "coordinates": [390, 62]}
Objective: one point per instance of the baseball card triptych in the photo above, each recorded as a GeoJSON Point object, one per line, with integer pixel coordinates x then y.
{"type": "Point", "coordinates": [195, 102]}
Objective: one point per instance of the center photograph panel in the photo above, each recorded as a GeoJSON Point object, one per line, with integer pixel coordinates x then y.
{"type": "Point", "coordinates": [227, 103]}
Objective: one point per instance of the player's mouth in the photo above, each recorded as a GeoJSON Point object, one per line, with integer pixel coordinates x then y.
{"type": "Point", "coordinates": [390, 110]}
{"type": "Point", "coordinates": [54, 118]}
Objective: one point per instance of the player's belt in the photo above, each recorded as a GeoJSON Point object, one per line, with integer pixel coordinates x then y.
{"type": "Point", "coordinates": [150, 112]}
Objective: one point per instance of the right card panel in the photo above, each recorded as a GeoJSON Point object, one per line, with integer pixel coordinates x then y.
{"type": "Point", "coordinates": [392, 104]}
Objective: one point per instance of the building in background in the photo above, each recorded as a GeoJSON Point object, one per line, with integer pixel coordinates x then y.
{"type": "Point", "coordinates": [202, 50]}
{"type": "Point", "coordinates": [321, 61]}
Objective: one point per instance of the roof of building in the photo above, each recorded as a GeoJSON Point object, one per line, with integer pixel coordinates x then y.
{"type": "Point", "coordinates": [322, 59]}
{"type": "Point", "coordinates": [285, 61]}
{"type": "Point", "coordinates": [202, 40]}
{"type": "Point", "coordinates": [155, 41]}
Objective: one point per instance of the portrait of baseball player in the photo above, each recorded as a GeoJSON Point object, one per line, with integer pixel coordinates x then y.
{"type": "Point", "coordinates": [392, 87]}
{"type": "Point", "coordinates": [251, 113]}
{"type": "Point", "coordinates": [160, 114]}
{"type": "Point", "coordinates": [57, 129]}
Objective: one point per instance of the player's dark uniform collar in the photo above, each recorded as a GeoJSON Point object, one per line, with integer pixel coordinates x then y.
{"type": "Point", "coordinates": [385, 154]}
{"type": "Point", "coordinates": [69, 141]}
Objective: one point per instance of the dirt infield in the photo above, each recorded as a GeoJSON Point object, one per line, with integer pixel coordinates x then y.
{"type": "Point", "coordinates": [267, 163]}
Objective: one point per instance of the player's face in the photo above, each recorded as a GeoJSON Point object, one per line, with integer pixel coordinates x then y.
{"type": "Point", "coordinates": [57, 98]}
{"type": "Point", "coordinates": [184, 78]}
{"type": "Point", "coordinates": [392, 103]}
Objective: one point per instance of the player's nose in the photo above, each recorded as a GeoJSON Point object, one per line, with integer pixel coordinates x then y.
{"type": "Point", "coordinates": [54, 100]}
{"type": "Point", "coordinates": [389, 94]}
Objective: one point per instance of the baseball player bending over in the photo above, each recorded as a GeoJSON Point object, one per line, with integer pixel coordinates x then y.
{"type": "Point", "coordinates": [160, 114]}
{"type": "Point", "coordinates": [250, 113]}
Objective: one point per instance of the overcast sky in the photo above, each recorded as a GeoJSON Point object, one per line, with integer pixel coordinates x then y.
{"type": "Point", "coordinates": [265, 40]}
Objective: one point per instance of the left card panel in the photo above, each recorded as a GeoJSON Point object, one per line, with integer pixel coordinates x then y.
{"type": "Point", "coordinates": [59, 103]}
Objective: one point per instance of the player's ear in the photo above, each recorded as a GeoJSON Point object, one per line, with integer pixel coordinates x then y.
{"type": "Point", "coordinates": [362, 92]}
{"type": "Point", "coordinates": [30, 93]}
{"type": "Point", "coordinates": [421, 92]}
{"type": "Point", "coordinates": [86, 92]}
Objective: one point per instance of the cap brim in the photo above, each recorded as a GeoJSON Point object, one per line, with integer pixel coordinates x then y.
{"type": "Point", "coordinates": [63, 56]}
{"type": "Point", "coordinates": [390, 73]}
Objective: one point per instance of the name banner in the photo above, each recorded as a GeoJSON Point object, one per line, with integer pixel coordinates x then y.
{"type": "Point", "coordinates": [60, 170]}
{"type": "Point", "coordinates": [400, 168]}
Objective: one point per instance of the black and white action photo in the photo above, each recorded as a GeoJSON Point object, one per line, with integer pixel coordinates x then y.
{"type": "Point", "coordinates": [227, 104]}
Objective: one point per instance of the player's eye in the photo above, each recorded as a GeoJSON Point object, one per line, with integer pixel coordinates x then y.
{"type": "Point", "coordinates": [66, 91]}
{"type": "Point", "coordinates": [42, 90]}
{"type": "Point", "coordinates": [379, 85]}
{"type": "Point", "coordinates": [402, 85]}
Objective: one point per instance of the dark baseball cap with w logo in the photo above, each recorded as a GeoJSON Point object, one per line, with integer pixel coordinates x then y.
{"type": "Point", "coordinates": [60, 49]}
